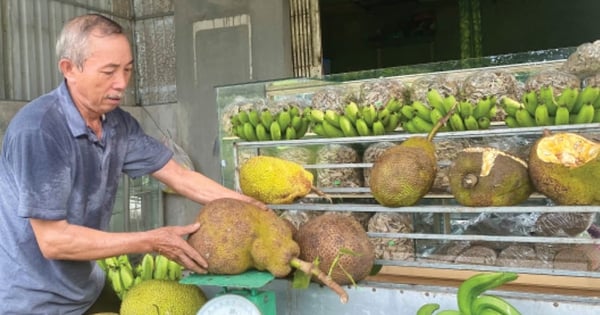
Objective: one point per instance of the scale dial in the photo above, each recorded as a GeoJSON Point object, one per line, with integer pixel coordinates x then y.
{"type": "Point", "coordinates": [229, 304]}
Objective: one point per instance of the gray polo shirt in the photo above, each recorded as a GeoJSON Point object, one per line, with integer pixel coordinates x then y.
{"type": "Point", "coordinates": [53, 167]}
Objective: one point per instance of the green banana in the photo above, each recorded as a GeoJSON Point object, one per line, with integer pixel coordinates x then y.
{"type": "Point", "coordinates": [493, 111]}
{"type": "Point", "coordinates": [332, 117]}
{"type": "Point", "coordinates": [436, 100]}
{"type": "Point", "coordinates": [147, 267]}
{"type": "Point", "coordinates": [362, 128]}
{"type": "Point", "coordinates": [114, 277]}
{"type": "Point", "coordinates": [562, 116]}
{"type": "Point", "coordinates": [351, 111]}
{"type": "Point", "coordinates": [294, 111]}
{"type": "Point", "coordinates": [347, 127]}
{"type": "Point", "coordinates": [275, 130]}
{"type": "Point", "coordinates": [301, 131]}
{"type": "Point", "coordinates": [331, 131]}
{"type": "Point", "coordinates": [465, 109]}
{"type": "Point", "coordinates": [567, 98]}
{"type": "Point", "coordinates": [290, 133]}
{"type": "Point", "coordinates": [482, 107]}
{"type": "Point", "coordinates": [546, 96]}
{"type": "Point", "coordinates": [249, 132]}
{"type": "Point", "coordinates": [369, 114]}
{"type": "Point", "coordinates": [456, 122]}
{"type": "Point", "coordinates": [296, 122]}
{"type": "Point", "coordinates": [126, 276]}
{"type": "Point", "coordinates": [475, 285]}
{"type": "Point", "coordinates": [393, 105]}
{"type": "Point", "coordinates": [484, 122]}
{"type": "Point", "coordinates": [174, 270]}
{"type": "Point", "coordinates": [530, 101]}
{"type": "Point", "coordinates": [511, 122]}
{"type": "Point", "coordinates": [284, 118]}
{"type": "Point", "coordinates": [112, 262]}
{"type": "Point", "coordinates": [449, 312]}
{"type": "Point", "coordinates": [428, 309]}
{"type": "Point", "coordinates": [422, 110]}
{"type": "Point", "coordinates": [316, 115]}
{"type": "Point", "coordinates": [393, 122]}
{"type": "Point", "coordinates": [495, 303]}
{"type": "Point", "coordinates": [409, 126]}
{"type": "Point", "coordinates": [383, 115]}
{"type": "Point", "coordinates": [510, 105]}
{"type": "Point", "coordinates": [239, 131]}
{"type": "Point", "coordinates": [589, 94]}
{"type": "Point", "coordinates": [102, 264]}
{"type": "Point", "coordinates": [421, 124]}
{"type": "Point", "coordinates": [407, 111]}
{"type": "Point", "coordinates": [318, 129]}
{"type": "Point", "coordinates": [542, 117]}
{"type": "Point", "coordinates": [524, 118]}
{"type": "Point", "coordinates": [471, 123]}
{"type": "Point", "coordinates": [242, 116]}
{"type": "Point", "coordinates": [436, 115]}
{"type": "Point", "coordinates": [585, 115]}
{"type": "Point", "coordinates": [378, 128]}
{"type": "Point", "coordinates": [449, 103]}
{"type": "Point", "coordinates": [596, 116]}
{"type": "Point", "coordinates": [161, 265]}
{"type": "Point", "coordinates": [253, 117]}
{"type": "Point", "coordinates": [266, 118]}
{"type": "Point", "coordinates": [261, 133]}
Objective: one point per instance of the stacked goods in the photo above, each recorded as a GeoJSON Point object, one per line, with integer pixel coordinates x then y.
{"type": "Point", "coordinates": [256, 121]}
{"type": "Point", "coordinates": [163, 297]}
{"type": "Point", "coordinates": [235, 236]}
{"type": "Point", "coordinates": [123, 276]}
{"type": "Point", "coordinates": [464, 114]}
{"type": "Point", "coordinates": [543, 108]}
{"type": "Point", "coordinates": [334, 114]}
{"type": "Point", "coordinates": [338, 176]}
{"type": "Point", "coordinates": [392, 248]}
{"type": "Point", "coordinates": [471, 299]}
{"type": "Point", "coordinates": [493, 84]}
{"type": "Point", "coordinates": [585, 61]}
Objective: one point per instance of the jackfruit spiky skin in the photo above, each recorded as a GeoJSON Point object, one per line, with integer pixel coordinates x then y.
{"type": "Point", "coordinates": [565, 167]}
{"type": "Point", "coordinates": [326, 235]}
{"type": "Point", "coordinates": [274, 180]}
{"type": "Point", "coordinates": [235, 236]}
{"type": "Point", "coordinates": [402, 175]}
{"type": "Point", "coordinates": [162, 297]}
{"type": "Point", "coordinates": [483, 177]}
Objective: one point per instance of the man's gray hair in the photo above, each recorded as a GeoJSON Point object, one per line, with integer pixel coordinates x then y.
{"type": "Point", "coordinates": [74, 38]}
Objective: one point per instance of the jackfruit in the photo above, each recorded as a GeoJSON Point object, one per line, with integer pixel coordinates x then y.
{"type": "Point", "coordinates": [275, 180]}
{"type": "Point", "coordinates": [341, 245]}
{"type": "Point", "coordinates": [235, 236]}
{"type": "Point", "coordinates": [162, 297]}
{"type": "Point", "coordinates": [486, 177]}
{"type": "Point", "coordinates": [565, 167]}
{"type": "Point", "coordinates": [404, 173]}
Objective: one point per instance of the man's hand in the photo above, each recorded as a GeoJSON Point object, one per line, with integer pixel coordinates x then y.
{"type": "Point", "coordinates": [169, 241]}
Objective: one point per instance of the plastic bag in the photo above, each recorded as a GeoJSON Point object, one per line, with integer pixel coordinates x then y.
{"type": "Point", "coordinates": [180, 156]}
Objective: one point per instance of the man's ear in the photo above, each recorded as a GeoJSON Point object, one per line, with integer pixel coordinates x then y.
{"type": "Point", "coordinates": [67, 67]}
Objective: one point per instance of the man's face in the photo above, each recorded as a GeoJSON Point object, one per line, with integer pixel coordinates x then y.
{"type": "Point", "coordinates": [100, 85]}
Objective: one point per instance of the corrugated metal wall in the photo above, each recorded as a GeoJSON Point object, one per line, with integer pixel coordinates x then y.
{"type": "Point", "coordinates": [28, 36]}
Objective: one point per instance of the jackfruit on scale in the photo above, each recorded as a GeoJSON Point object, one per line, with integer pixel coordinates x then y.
{"type": "Point", "coordinates": [274, 180]}
{"type": "Point", "coordinates": [162, 297]}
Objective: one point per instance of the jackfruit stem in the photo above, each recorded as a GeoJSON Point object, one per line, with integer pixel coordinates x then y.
{"type": "Point", "coordinates": [309, 268]}
{"type": "Point", "coordinates": [441, 123]}
{"type": "Point", "coordinates": [320, 193]}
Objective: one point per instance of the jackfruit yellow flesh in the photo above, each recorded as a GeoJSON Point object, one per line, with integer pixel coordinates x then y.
{"type": "Point", "coordinates": [567, 149]}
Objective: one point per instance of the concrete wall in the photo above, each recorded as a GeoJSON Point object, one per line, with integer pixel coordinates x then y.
{"type": "Point", "coordinates": [7, 110]}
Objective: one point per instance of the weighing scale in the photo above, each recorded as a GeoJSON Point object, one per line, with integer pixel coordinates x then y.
{"type": "Point", "coordinates": [239, 295]}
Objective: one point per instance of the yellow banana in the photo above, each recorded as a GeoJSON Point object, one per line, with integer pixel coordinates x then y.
{"type": "Point", "coordinates": [275, 130]}
{"type": "Point", "coordinates": [422, 110]}
{"type": "Point", "coordinates": [351, 111]}
{"type": "Point", "coordinates": [482, 107]}
{"type": "Point", "coordinates": [266, 118]}
{"type": "Point", "coordinates": [567, 98]}
{"type": "Point", "coordinates": [421, 124]}
{"type": "Point", "coordinates": [147, 267]}
{"type": "Point", "coordinates": [456, 122]}
{"type": "Point", "coordinates": [362, 128]}
{"type": "Point", "coordinates": [585, 115]}
{"type": "Point", "coordinates": [484, 122]}
{"type": "Point", "coordinates": [471, 123]}
{"type": "Point", "coordinates": [378, 128]}
{"type": "Point", "coordinates": [161, 265]}
{"type": "Point", "coordinates": [562, 116]}
{"type": "Point", "coordinates": [530, 101]}
{"type": "Point", "coordinates": [436, 100]}
{"type": "Point", "coordinates": [253, 117]}
{"type": "Point", "coordinates": [524, 118]}
{"type": "Point", "coordinates": [331, 131]}
{"type": "Point", "coordinates": [284, 118]}
{"type": "Point", "coordinates": [249, 132]}
{"type": "Point", "coordinates": [347, 127]}
{"type": "Point", "coordinates": [542, 117]}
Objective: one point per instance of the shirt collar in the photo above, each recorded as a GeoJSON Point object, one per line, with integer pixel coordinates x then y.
{"type": "Point", "coordinates": [74, 120]}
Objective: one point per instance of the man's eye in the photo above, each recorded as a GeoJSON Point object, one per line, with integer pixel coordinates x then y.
{"type": "Point", "coordinates": [108, 72]}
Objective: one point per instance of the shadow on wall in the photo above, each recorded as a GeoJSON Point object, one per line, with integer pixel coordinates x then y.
{"type": "Point", "coordinates": [7, 110]}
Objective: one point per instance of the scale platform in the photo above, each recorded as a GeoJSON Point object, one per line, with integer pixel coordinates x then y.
{"type": "Point", "coordinates": [239, 295]}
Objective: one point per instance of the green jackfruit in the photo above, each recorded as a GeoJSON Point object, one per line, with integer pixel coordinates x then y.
{"type": "Point", "coordinates": [566, 168]}
{"type": "Point", "coordinates": [275, 180]}
{"type": "Point", "coordinates": [483, 177]}
{"type": "Point", "coordinates": [162, 297]}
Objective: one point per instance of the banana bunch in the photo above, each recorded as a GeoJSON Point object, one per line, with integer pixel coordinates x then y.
{"type": "Point", "coordinates": [422, 116]}
{"type": "Point", "coordinates": [262, 124]}
{"type": "Point", "coordinates": [472, 301]}
{"type": "Point", "coordinates": [543, 108]}
{"type": "Point", "coordinates": [122, 276]}
{"type": "Point", "coordinates": [356, 120]}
